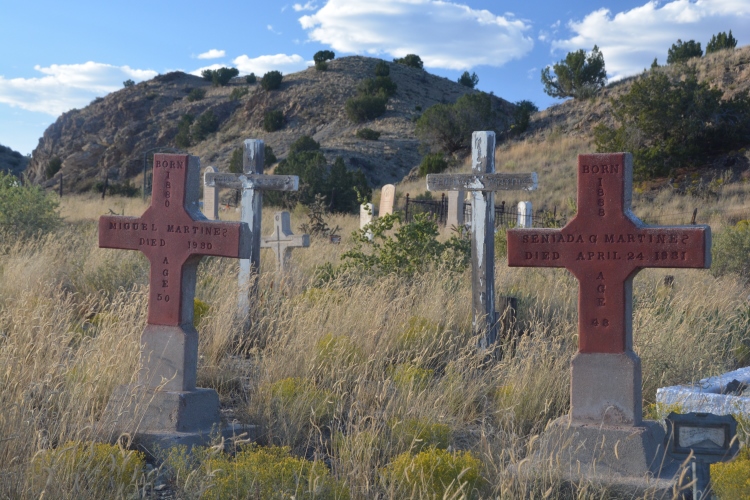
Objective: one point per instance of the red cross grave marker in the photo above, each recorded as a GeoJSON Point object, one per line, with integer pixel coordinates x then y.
{"type": "Point", "coordinates": [174, 235]}
{"type": "Point", "coordinates": [605, 246]}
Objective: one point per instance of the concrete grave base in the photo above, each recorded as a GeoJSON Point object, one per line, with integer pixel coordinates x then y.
{"type": "Point", "coordinates": [162, 419]}
{"type": "Point", "coordinates": [613, 399]}
{"type": "Point", "coordinates": [629, 460]}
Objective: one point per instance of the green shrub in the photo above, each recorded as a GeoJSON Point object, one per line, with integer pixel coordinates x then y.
{"type": "Point", "coordinates": [411, 60]}
{"type": "Point", "coordinates": [682, 51]}
{"type": "Point", "coordinates": [271, 80]}
{"type": "Point", "coordinates": [130, 83]}
{"type": "Point", "coordinates": [25, 209]}
{"type": "Point", "coordinates": [294, 394]}
{"type": "Point", "coordinates": [522, 116]}
{"type": "Point", "coordinates": [417, 435]}
{"type": "Point", "coordinates": [382, 69]}
{"type": "Point", "coordinates": [365, 107]}
{"type": "Point", "coordinates": [183, 139]}
{"type": "Point", "coordinates": [732, 479]}
{"type": "Point", "coordinates": [337, 183]}
{"type": "Point", "coordinates": [448, 127]}
{"type": "Point", "coordinates": [670, 124]}
{"type": "Point", "coordinates": [53, 166]}
{"type": "Point", "coordinates": [321, 57]}
{"type": "Point", "coordinates": [721, 41]}
{"type": "Point", "coordinates": [91, 468]}
{"type": "Point", "coordinates": [380, 85]}
{"type": "Point", "coordinates": [730, 250]}
{"type": "Point", "coordinates": [238, 93]}
{"type": "Point", "coordinates": [368, 134]}
{"type": "Point", "coordinates": [268, 157]}
{"type": "Point", "coordinates": [412, 248]}
{"type": "Point", "coordinates": [579, 75]}
{"type": "Point", "coordinates": [333, 352]}
{"type": "Point", "coordinates": [196, 94]}
{"type": "Point", "coordinates": [251, 79]}
{"type": "Point", "coordinates": [270, 472]}
{"type": "Point", "coordinates": [219, 77]}
{"type": "Point", "coordinates": [432, 164]}
{"type": "Point", "coordinates": [468, 80]}
{"type": "Point", "coordinates": [304, 143]}
{"type": "Point", "coordinates": [273, 120]}
{"type": "Point", "coordinates": [433, 473]}
{"type": "Point", "coordinates": [200, 309]}
{"type": "Point", "coordinates": [235, 161]}
{"type": "Point", "coordinates": [207, 123]}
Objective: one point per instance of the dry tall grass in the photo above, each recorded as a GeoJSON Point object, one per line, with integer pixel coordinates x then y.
{"type": "Point", "coordinates": [353, 372]}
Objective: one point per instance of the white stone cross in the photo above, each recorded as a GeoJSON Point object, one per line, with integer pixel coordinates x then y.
{"type": "Point", "coordinates": [252, 183]}
{"type": "Point", "coordinates": [482, 183]}
{"type": "Point", "coordinates": [282, 241]}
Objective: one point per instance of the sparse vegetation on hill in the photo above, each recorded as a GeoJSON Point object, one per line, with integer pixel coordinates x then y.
{"type": "Point", "coordinates": [682, 51]}
{"type": "Point", "coordinates": [412, 60]}
{"type": "Point", "coordinates": [721, 41]}
{"type": "Point", "coordinates": [271, 80]}
{"type": "Point", "coordinates": [579, 75]}
{"type": "Point", "coordinates": [273, 120]}
{"type": "Point", "coordinates": [321, 57]}
{"type": "Point", "coordinates": [468, 80]}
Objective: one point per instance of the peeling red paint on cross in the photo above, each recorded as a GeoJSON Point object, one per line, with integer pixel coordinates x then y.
{"type": "Point", "coordinates": [174, 235]}
{"type": "Point", "coordinates": [605, 246]}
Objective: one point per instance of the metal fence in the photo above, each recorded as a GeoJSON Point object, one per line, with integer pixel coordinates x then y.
{"type": "Point", "coordinates": [505, 216]}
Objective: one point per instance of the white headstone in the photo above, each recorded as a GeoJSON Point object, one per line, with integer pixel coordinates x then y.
{"type": "Point", "coordinates": [210, 197]}
{"type": "Point", "coordinates": [455, 209]}
{"type": "Point", "coordinates": [387, 196]}
{"type": "Point", "coordinates": [524, 214]}
{"type": "Point", "coordinates": [365, 217]}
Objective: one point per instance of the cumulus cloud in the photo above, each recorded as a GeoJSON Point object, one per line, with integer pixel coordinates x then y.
{"type": "Point", "coordinates": [67, 86]}
{"type": "Point", "coordinates": [444, 34]}
{"type": "Point", "coordinates": [308, 6]}
{"type": "Point", "coordinates": [263, 64]}
{"type": "Point", "coordinates": [630, 40]}
{"type": "Point", "coordinates": [212, 54]}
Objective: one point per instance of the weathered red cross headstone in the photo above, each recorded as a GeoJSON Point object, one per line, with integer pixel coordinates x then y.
{"type": "Point", "coordinates": [174, 235]}
{"type": "Point", "coordinates": [605, 246]}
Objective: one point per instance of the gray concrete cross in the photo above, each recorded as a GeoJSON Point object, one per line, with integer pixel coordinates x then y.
{"type": "Point", "coordinates": [252, 183]}
{"type": "Point", "coordinates": [482, 183]}
{"type": "Point", "coordinates": [282, 241]}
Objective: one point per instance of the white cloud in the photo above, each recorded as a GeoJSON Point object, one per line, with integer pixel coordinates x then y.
{"type": "Point", "coordinates": [212, 54]}
{"type": "Point", "coordinates": [67, 86]}
{"type": "Point", "coordinates": [630, 40]}
{"type": "Point", "coordinates": [270, 28]}
{"type": "Point", "coordinates": [444, 34]}
{"type": "Point", "coordinates": [263, 64]}
{"type": "Point", "coordinates": [308, 6]}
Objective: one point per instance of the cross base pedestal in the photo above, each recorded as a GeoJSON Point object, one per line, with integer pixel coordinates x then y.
{"type": "Point", "coordinates": [157, 420]}
{"type": "Point", "coordinates": [625, 459]}
{"type": "Point", "coordinates": [606, 388]}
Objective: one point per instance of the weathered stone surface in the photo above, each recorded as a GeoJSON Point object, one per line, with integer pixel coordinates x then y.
{"type": "Point", "coordinates": [605, 246]}
{"type": "Point", "coordinates": [525, 214]}
{"type": "Point", "coordinates": [283, 241]}
{"type": "Point", "coordinates": [365, 214]}
{"type": "Point", "coordinates": [711, 395]}
{"type": "Point", "coordinates": [252, 181]}
{"type": "Point", "coordinates": [614, 399]}
{"type": "Point", "coordinates": [387, 197]}
{"type": "Point", "coordinates": [455, 215]}
{"type": "Point", "coordinates": [481, 182]}
{"type": "Point", "coordinates": [210, 197]}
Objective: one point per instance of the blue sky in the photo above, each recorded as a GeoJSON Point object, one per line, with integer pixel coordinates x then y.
{"type": "Point", "coordinates": [55, 56]}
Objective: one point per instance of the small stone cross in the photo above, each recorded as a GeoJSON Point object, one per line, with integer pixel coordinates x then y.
{"type": "Point", "coordinates": [282, 241]}
{"type": "Point", "coordinates": [482, 183]}
{"type": "Point", "coordinates": [174, 235]}
{"type": "Point", "coordinates": [252, 183]}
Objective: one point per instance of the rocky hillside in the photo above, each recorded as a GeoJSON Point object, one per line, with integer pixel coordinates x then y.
{"type": "Point", "coordinates": [113, 133]}
{"type": "Point", "coordinates": [12, 161]}
{"type": "Point", "coordinates": [728, 70]}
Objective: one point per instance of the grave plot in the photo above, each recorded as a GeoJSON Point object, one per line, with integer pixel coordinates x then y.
{"type": "Point", "coordinates": [604, 247]}
{"type": "Point", "coordinates": [725, 394]}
